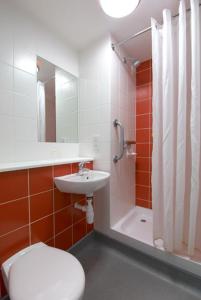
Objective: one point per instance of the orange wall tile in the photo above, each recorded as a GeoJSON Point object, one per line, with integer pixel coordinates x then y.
{"type": "Point", "coordinates": [42, 230]}
{"type": "Point", "coordinates": [13, 215]}
{"type": "Point", "coordinates": [33, 210]}
{"type": "Point", "coordinates": [13, 242]}
{"type": "Point", "coordinates": [62, 170]}
{"type": "Point", "coordinates": [143, 107]}
{"type": "Point", "coordinates": [79, 231]}
{"type": "Point", "coordinates": [143, 76]}
{"type": "Point", "coordinates": [61, 200]}
{"type": "Point", "coordinates": [13, 185]}
{"type": "Point", "coordinates": [147, 64]}
{"type": "Point", "coordinates": [143, 150]}
{"type": "Point", "coordinates": [144, 134]}
{"type": "Point", "coordinates": [40, 180]}
{"type": "Point", "coordinates": [144, 92]}
{"type": "Point", "coordinates": [143, 178]}
{"type": "Point", "coordinates": [63, 219]}
{"type": "Point", "coordinates": [64, 240]}
{"type": "Point", "coordinates": [143, 164]}
{"type": "Point", "coordinates": [41, 205]}
{"type": "Point", "coordinates": [2, 286]}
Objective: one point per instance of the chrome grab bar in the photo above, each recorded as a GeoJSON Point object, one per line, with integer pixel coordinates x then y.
{"type": "Point", "coordinates": [116, 158]}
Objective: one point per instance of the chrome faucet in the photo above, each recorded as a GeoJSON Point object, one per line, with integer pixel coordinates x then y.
{"type": "Point", "coordinates": [82, 169]}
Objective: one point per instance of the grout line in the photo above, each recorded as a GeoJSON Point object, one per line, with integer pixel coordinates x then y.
{"type": "Point", "coordinates": [145, 69]}
{"type": "Point", "coordinates": [42, 218]}
{"type": "Point", "coordinates": [149, 165]}
{"type": "Point", "coordinates": [72, 202]}
{"type": "Point", "coordinates": [142, 171]}
{"type": "Point", "coordinates": [11, 201]}
{"type": "Point", "coordinates": [138, 129]}
{"type": "Point", "coordinates": [147, 172]}
{"type": "Point", "coordinates": [138, 156]}
{"type": "Point", "coordinates": [28, 194]}
{"type": "Point", "coordinates": [145, 114]}
{"type": "Point", "coordinates": [48, 240]}
{"type": "Point", "coordinates": [67, 228]}
{"type": "Point", "coordinates": [144, 99]}
{"type": "Point", "coordinates": [142, 199]}
{"type": "Point", "coordinates": [149, 159]}
{"type": "Point", "coordinates": [143, 143]}
{"type": "Point", "coordinates": [144, 84]}
{"type": "Point", "coordinates": [147, 128]}
{"type": "Point", "coordinates": [142, 185]}
{"type": "Point", "coordinates": [63, 208]}
{"type": "Point", "coordinates": [9, 232]}
{"type": "Point", "coordinates": [29, 204]}
{"type": "Point", "coordinates": [53, 207]}
{"type": "Point", "coordinates": [43, 192]}
{"type": "Point", "coordinates": [79, 221]}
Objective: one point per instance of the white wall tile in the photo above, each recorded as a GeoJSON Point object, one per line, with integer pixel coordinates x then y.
{"type": "Point", "coordinates": [6, 77]}
{"type": "Point", "coordinates": [25, 129]}
{"type": "Point", "coordinates": [24, 106]}
{"type": "Point", "coordinates": [24, 60]}
{"type": "Point", "coordinates": [6, 38]}
{"type": "Point", "coordinates": [22, 38]}
{"type": "Point", "coordinates": [122, 183]}
{"type": "Point", "coordinates": [24, 83]}
{"type": "Point", "coordinates": [6, 102]}
{"type": "Point", "coordinates": [6, 129]}
{"type": "Point", "coordinates": [94, 115]}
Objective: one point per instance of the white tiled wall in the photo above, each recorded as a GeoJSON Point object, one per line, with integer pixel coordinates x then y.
{"type": "Point", "coordinates": [21, 39]}
{"type": "Point", "coordinates": [106, 93]}
{"type": "Point", "coordinates": [122, 184]}
{"type": "Point", "coordinates": [94, 118]}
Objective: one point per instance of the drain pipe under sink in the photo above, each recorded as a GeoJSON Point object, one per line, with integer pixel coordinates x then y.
{"type": "Point", "coordinates": [87, 208]}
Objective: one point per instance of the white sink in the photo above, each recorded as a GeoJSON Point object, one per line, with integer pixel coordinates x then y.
{"type": "Point", "coordinates": [86, 183]}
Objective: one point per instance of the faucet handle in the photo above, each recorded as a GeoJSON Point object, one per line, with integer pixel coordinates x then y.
{"type": "Point", "coordinates": [82, 168]}
{"type": "Point", "coordinates": [81, 164]}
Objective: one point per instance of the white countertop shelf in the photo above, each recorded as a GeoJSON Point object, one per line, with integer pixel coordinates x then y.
{"type": "Point", "coordinates": [13, 166]}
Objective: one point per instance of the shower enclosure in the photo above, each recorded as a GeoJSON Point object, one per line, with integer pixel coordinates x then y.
{"type": "Point", "coordinates": [121, 91]}
{"type": "Point", "coordinates": [131, 213]}
{"type": "Point", "coordinates": [130, 195]}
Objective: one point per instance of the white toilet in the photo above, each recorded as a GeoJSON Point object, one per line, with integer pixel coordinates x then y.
{"type": "Point", "coordinates": [40, 272]}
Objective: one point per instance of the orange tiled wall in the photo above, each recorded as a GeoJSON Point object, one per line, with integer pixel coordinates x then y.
{"type": "Point", "coordinates": [143, 134]}
{"type": "Point", "coordinates": [33, 210]}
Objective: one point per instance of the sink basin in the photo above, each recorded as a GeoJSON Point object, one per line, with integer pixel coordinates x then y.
{"type": "Point", "coordinates": [86, 183]}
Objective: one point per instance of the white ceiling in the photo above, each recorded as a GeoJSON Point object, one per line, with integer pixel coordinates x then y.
{"type": "Point", "coordinates": [80, 22]}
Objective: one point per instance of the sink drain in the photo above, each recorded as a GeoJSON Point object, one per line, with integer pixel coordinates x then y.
{"type": "Point", "coordinates": [143, 220]}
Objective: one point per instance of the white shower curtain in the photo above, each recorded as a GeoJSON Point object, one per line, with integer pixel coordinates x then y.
{"type": "Point", "coordinates": [41, 111]}
{"type": "Point", "coordinates": [176, 159]}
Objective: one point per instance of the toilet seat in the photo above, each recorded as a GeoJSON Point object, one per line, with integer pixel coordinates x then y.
{"type": "Point", "coordinates": [46, 273]}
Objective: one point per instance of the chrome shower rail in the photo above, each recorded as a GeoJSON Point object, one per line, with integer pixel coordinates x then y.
{"type": "Point", "coordinates": [114, 45]}
{"type": "Point", "coordinates": [116, 158]}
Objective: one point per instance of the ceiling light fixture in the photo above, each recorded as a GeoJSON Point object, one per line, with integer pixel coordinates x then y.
{"type": "Point", "coordinates": [118, 8]}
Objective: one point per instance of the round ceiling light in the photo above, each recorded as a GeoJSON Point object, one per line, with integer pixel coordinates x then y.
{"type": "Point", "coordinates": [118, 8]}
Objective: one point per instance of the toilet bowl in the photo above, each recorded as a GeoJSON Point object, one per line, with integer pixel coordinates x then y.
{"type": "Point", "coordinates": [40, 272]}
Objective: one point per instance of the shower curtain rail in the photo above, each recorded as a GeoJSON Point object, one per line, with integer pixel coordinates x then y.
{"type": "Point", "coordinates": [114, 45]}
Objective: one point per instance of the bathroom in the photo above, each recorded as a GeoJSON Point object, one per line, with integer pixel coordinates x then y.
{"type": "Point", "coordinates": [100, 113]}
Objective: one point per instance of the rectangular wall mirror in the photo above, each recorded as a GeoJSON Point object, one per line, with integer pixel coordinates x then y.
{"type": "Point", "coordinates": [57, 102]}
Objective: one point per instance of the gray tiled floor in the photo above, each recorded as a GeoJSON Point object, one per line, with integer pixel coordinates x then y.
{"type": "Point", "coordinates": [116, 272]}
